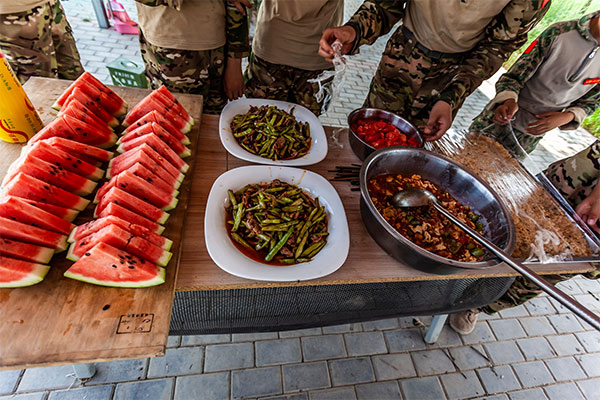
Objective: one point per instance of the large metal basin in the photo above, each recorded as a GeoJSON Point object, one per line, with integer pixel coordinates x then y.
{"type": "Point", "coordinates": [450, 176]}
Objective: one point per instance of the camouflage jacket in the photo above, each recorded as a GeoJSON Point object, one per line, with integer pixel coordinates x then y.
{"type": "Point", "coordinates": [544, 57]}
{"type": "Point", "coordinates": [237, 31]}
{"type": "Point", "coordinates": [506, 33]}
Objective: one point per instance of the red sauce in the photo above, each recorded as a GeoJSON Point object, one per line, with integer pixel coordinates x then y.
{"type": "Point", "coordinates": [380, 134]}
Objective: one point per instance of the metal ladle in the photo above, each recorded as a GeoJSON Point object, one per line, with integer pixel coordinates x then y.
{"type": "Point", "coordinates": [420, 197]}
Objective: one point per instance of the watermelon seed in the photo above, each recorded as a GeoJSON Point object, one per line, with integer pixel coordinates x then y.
{"type": "Point", "coordinates": [87, 254]}
{"type": "Point", "coordinates": [114, 266]}
{"type": "Point", "coordinates": [128, 257]}
{"type": "Point", "coordinates": [75, 165]}
{"type": "Point", "coordinates": [150, 180]}
{"type": "Point", "coordinates": [106, 307]}
{"type": "Point", "coordinates": [13, 218]}
{"type": "Point", "coordinates": [122, 262]}
{"type": "Point", "coordinates": [46, 187]}
{"type": "Point", "coordinates": [131, 267]}
{"type": "Point", "coordinates": [43, 200]}
{"type": "Point", "coordinates": [69, 158]}
{"type": "Point", "coordinates": [82, 244]}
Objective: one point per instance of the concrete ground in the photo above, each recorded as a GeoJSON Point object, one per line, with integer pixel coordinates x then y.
{"type": "Point", "coordinates": [535, 351]}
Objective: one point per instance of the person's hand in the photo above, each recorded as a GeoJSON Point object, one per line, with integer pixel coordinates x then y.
{"type": "Point", "coordinates": [239, 4]}
{"type": "Point", "coordinates": [343, 34]}
{"type": "Point", "coordinates": [440, 120]}
{"type": "Point", "coordinates": [504, 112]}
{"type": "Point", "coordinates": [233, 80]}
{"type": "Point", "coordinates": [589, 210]}
{"type": "Point", "coordinates": [548, 121]}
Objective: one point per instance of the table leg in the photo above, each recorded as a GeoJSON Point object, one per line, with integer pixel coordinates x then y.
{"type": "Point", "coordinates": [84, 371]}
{"type": "Point", "coordinates": [433, 333]}
{"type": "Point", "coordinates": [100, 12]}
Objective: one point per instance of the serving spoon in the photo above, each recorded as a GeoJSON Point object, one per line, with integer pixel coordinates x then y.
{"type": "Point", "coordinates": [419, 197]}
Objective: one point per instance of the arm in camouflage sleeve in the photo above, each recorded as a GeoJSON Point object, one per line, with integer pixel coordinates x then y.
{"type": "Point", "coordinates": [176, 4]}
{"type": "Point", "coordinates": [237, 32]}
{"type": "Point", "coordinates": [506, 33]}
{"type": "Point", "coordinates": [583, 107]}
{"type": "Point", "coordinates": [374, 19]}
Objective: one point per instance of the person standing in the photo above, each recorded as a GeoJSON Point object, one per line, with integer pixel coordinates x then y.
{"type": "Point", "coordinates": [440, 54]}
{"type": "Point", "coordinates": [37, 40]}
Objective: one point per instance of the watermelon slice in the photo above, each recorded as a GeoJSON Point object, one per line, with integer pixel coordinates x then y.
{"type": "Point", "coordinates": [60, 127]}
{"type": "Point", "coordinates": [19, 210]}
{"type": "Point", "coordinates": [88, 134]}
{"type": "Point", "coordinates": [61, 212]}
{"type": "Point", "coordinates": [30, 234]}
{"type": "Point", "coordinates": [88, 228]}
{"type": "Point", "coordinates": [150, 152]}
{"type": "Point", "coordinates": [153, 127]}
{"type": "Point", "coordinates": [80, 150]}
{"type": "Point", "coordinates": [102, 266]}
{"type": "Point", "coordinates": [97, 91]}
{"type": "Point", "coordinates": [159, 146]}
{"type": "Point", "coordinates": [131, 202]}
{"type": "Point", "coordinates": [31, 188]}
{"type": "Point", "coordinates": [47, 172]}
{"type": "Point", "coordinates": [131, 217]}
{"type": "Point", "coordinates": [155, 116]}
{"type": "Point", "coordinates": [61, 158]}
{"type": "Point", "coordinates": [25, 251]}
{"type": "Point", "coordinates": [139, 157]}
{"type": "Point", "coordinates": [152, 178]}
{"type": "Point", "coordinates": [79, 95]}
{"type": "Point", "coordinates": [122, 240]}
{"type": "Point", "coordinates": [18, 273]}
{"type": "Point", "coordinates": [163, 94]}
{"type": "Point", "coordinates": [149, 104]}
{"type": "Point", "coordinates": [78, 110]}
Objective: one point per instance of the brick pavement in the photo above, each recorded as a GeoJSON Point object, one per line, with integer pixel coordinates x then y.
{"type": "Point", "coordinates": [535, 351]}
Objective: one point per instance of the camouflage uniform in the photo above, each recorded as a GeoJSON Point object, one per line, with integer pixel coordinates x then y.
{"type": "Point", "coordinates": [525, 69]}
{"type": "Point", "coordinates": [409, 82]}
{"type": "Point", "coordinates": [281, 82]}
{"type": "Point", "coordinates": [196, 72]}
{"type": "Point", "coordinates": [40, 42]}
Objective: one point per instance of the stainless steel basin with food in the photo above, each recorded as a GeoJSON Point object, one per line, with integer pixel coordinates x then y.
{"type": "Point", "coordinates": [361, 148]}
{"type": "Point", "coordinates": [450, 176]}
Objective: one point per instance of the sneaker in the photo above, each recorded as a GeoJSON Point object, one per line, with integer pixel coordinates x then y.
{"type": "Point", "coordinates": [464, 322]}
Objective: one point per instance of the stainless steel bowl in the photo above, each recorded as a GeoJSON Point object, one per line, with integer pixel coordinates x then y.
{"type": "Point", "coordinates": [360, 147]}
{"type": "Point", "coordinates": [462, 184]}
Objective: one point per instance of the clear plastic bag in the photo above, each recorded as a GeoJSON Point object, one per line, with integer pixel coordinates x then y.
{"type": "Point", "coordinates": [331, 81]}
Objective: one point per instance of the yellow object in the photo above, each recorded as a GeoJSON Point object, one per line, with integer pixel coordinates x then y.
{"type": "Point", "coordinates": [18, 119]}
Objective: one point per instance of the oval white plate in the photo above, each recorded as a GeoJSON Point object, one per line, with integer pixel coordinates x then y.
{"type": "Point", "coordinates": [230, 259]}
{"type": "Point", "coordinates": [318, 147]}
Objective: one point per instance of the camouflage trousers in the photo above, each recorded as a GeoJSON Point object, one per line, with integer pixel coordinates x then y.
{"type": "Point", "coordinates": [40, 42]}
{"type": "Point", "coordinates": [407, 82]}
{"type": "Point", "coordinates": [187, 71]}
{"type": "Point", "coordinates": [484, 123]}
{"type": "Point", "coordinates": [280, 82]}
{"type": "Point", "coordinates": [575, 177]}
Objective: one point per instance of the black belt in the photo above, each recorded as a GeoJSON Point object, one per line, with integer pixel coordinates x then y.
{"type": "Point", "coordinates": [434, 55]}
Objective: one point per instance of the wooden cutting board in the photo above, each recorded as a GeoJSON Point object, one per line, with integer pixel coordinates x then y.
{"type": "Point", "coordinates": [63, 321]}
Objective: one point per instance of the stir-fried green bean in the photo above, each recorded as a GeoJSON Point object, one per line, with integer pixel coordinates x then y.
{"type": "Point", "coordinates": [272, 133]}
{"type": "Point", "coordinates": [276, 222]}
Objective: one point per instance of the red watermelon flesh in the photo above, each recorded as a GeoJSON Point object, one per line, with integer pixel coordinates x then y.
{"type": "Point", "coordinates": [102, 266]}
{"type": "Point", "coordinates": [149, 104]}
{"type": "Point", "coordinates": [122, 240]}
{"type": "Point", "coordinates": [131, 217]}
{"type": "Point", "coordinates": [30, 234]}
{"type": "Point", "coordinates": [25, 251]}
{"type": "Point", "coordinates": [69, 162]}
{"type": "Point", "coordinates": [78, 94]}
{"type": "Point", "coordinates": [132, 158]}
{"type": "Point", "coordinates": [31, 188]}
{"type": "Point", "coordinates": [59, 127]}
{"type": "Point", "coordinates": [86, 76]}
{"type": "Point", "coordinates": [157, 158]}
{"type": "Point", "coordinates": [19, 210]}
{"type": "Point", "coordinates": [88, 228]}
{"type": "Point", "coordinates": [49, 131]}
{"type": "Point", "coordinates": [18, 273]}
{"type": "Point", "coordinates": [153, 179]}
{"type": "Point", "coordinates": [132, 203]}
{"type": "Point", "coordinates": [168, 99]}
{"type": "Point", "coordinates": [47, 172]}
{"type": "Point", "coordinates": [61, 212]}
{"type": "Point", "coordinates": [76, 109]}
{"type": "Point", "coordinates": [86, 133]}
{"type": "Point", "coordinates": [81, 150]}
{"type": "Point", "coordinates": [153, 127]}
{"type": "Point", "coordinates": [159, 146]}
{"type": "Point", "coordinates": [115, 106]}
{"type": "Point", "coordinates": [155, 116]}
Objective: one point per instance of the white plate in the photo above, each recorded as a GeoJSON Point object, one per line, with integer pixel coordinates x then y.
{"type": "Point", "coordinates": [318, 147]}
{"type": "Point", "coordinates": [230, 259]}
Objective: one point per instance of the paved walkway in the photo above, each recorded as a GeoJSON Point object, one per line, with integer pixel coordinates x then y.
{"type": "Point", "coordinates": [535, 351]}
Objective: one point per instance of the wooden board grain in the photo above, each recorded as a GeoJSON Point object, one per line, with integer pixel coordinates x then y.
{"type": "Point", "coordinates": [61, 320]}
{"type": "Point", "coordinates": [366, 262]}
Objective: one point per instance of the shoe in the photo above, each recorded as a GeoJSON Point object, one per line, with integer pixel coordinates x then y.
{"type": "Point", "coordinates": [464, 322]}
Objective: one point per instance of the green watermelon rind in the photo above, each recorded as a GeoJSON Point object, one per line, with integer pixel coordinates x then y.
{"type": "Point", "coordinates": [157, 280]}
{"type": "Point", "coordinates": [171, 205]}
{"type": "Point", "coordinates": [34, 277]}
{"type": "Point", "coordinates": [186, 153]}
{"type": "Point", "coordinates": [70, 255]}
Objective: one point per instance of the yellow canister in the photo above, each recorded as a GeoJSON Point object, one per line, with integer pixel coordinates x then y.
{"type": "Point", "coordinates": [18, 119]}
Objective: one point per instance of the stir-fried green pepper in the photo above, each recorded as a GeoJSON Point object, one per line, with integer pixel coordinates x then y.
{"type": "Point", "coordinates": [272, 133]}
{"type": "Point", "coordinates": [277, 222]}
